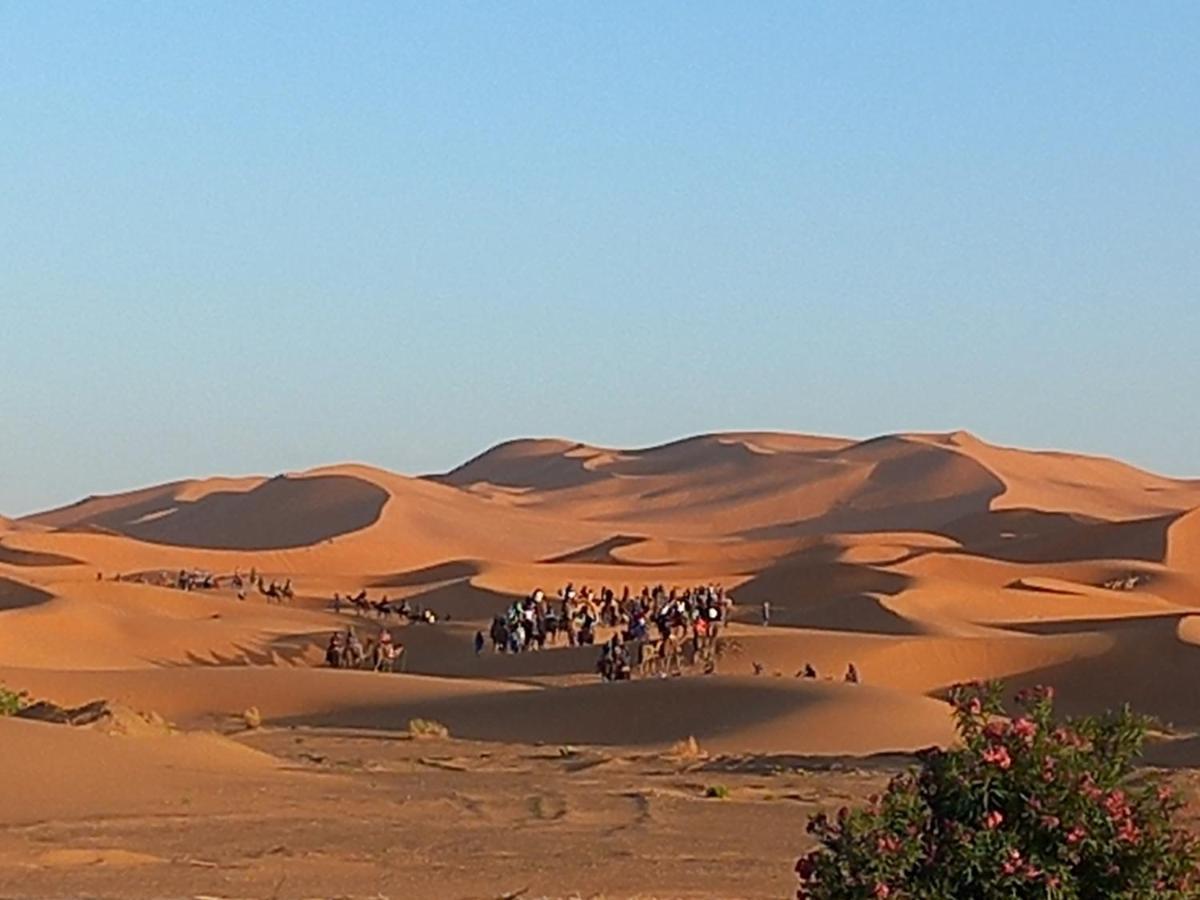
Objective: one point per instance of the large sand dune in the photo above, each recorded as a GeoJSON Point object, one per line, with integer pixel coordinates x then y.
{"type": "Point", "coordinates": [924, 559]}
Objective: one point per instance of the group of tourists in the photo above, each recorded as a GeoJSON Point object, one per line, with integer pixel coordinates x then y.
{"type": "Point", "coordinates": [654, 631]}
{"type": "Point", "coordinates": [346, 651]}
{"type": "Point", "coordinates": [536, 621]}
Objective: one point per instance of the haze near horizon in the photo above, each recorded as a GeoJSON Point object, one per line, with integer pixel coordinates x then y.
{"type": "Point", "coordinates": [253, 240]}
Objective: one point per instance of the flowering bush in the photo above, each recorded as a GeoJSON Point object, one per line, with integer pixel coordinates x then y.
{"type": "Point", "coordinates": [1023, 808]}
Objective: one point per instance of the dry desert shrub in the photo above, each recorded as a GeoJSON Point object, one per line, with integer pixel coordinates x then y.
{"type": "Point", "coordinates": [687, 750]}
{"type": "Point", "coordinates": [427, 728]}
{"type": "Point", "coordinates": [252, 717]}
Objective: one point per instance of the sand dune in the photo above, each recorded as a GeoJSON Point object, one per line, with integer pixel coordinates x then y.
{"type": "Point", "coordinates": [222, 514]}
{"type": "Point", "coordinates": [44, 778]}
{"type": "Point", "coordinates": [773, 485]}
{"type": "Point", "coordinates": [923, 559]}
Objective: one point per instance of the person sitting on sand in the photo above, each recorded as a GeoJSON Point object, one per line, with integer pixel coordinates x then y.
{"type": "Point", "coordinates": [851, 674]}
{"type": "Point", "coordinates": [809, 671]}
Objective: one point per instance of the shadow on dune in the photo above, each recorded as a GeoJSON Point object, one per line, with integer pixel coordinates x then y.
{"type": "Point", "coordinates": [832, 596]}
{"type": "Point", "coordinates": [602, 553]}
{"type": "Point", "coordinates": [1022, 584]}
{"type": "Point", "coordinates": [14, 595]}
{"type": "Point", "coordinates": [31, 558]}
{"type": "Point", "coordinates": [278, 514]}
{"type": "Point", "coordinates": [1091, 626]}
{"type": "Point", "coordinates": [545, 465]}
{"type": "Point", "coordinates": [628, 713]}
{"type": "Point", "coordinates": [1032, 536]}
{"type": "Point", "coordinates": [453, 570]}
{"type": "Point", "coordinates": [462, 599]}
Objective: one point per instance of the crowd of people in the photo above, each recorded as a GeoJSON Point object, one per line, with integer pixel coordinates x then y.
{"type": "Point", "coordinates": [573, 616]}
{"type": "Point", "coordinates": [654, 631]}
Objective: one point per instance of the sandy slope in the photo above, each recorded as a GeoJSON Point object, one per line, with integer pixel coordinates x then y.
{"type": "Point", "coordinates": [924, 559]}
{"type": "Point", "coordinates": [51, 771]}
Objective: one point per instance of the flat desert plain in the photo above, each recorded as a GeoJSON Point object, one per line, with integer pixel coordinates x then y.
{"type": "Point", "coordinates": [923, 559]}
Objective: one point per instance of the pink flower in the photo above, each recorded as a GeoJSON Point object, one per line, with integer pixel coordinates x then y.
{"type": "Point", "coordinates": [998, 757]}
{"type": "Point", "coordinates": [1129, 832]}
{"type": "Point", "coordinates": [1025, 729]}
{"type": "Point", "coordinates": [1013, 863]}
{"type": "Point", "coordinates": [993, 820]}
{"type": "Point", "coordinates": [882, 890]}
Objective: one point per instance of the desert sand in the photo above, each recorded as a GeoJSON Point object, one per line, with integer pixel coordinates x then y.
{"type": "Point", "coordinates": [924, 559]}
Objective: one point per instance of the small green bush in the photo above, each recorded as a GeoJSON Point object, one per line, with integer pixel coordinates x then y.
{"type": "Point", "coordinates": [717, 792]}
{"type": "Point", "coordinates": [11, 702]}
{"type": "Point", "coordinates": [1027, 808]}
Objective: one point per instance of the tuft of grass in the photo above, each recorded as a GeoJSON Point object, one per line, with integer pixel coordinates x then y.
{"type": "Point", "coordinates": [252, 717]}
{"type": "Point", "coordinates": [717, 792]}
{"type": "Point", "coordinates": [11, 702]}
{"type": "Point", "coordinates": [427, 728]}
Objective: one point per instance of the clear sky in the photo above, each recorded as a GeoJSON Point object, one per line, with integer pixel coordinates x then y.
{"type": "Point", "coordinates": [255, 237]}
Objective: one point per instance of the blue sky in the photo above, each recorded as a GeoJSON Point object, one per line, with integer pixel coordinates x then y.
{"type": "Point", "coordinates": [258, 237]}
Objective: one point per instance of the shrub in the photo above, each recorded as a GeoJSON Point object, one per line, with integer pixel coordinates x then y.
{"type": "Point", "coordinates": [717, 792]}
{"type": "Point", "coordinates": [11, 702]}
{"type": "Point", "coordinates": [252, 718]}
{"type": "Point", "coordinates": [1021, 809]}
{"type": "Point", "coordinates": [427, 728]}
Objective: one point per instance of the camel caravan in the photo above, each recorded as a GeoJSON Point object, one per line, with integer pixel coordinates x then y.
{"type": "Point", "coordinates": [346, 651]}
{"type": "Point", "coordinates": [382, 609]}
{"type": "Point", "coordinates": [656, 633]}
